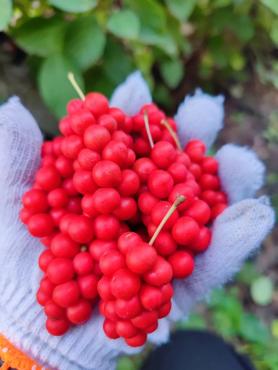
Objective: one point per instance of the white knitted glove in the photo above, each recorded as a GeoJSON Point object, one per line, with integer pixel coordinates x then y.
{"type": "Point", "coordinates": [237, 232]}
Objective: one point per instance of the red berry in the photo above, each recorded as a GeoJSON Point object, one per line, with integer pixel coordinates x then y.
{"type": "Point", "coordinates": [48, 178]}
{"type": "Point", "coordinates": [96, 103]}
{"type": "Point", "coordinates": [64, 166]}
{"type": "Point", "coordinates": [209, 182]}
{"type": "Point", "coordinates": [80, 312]}
{"type": "Point", "coordinates": [144, 167]}
{"type": "Point", "coordinates": [165, 244]}
{"type": "Point", "coordinates": [107, 174]}
{"type": "Point", "coordinates": [40, 225]}
{"type": "Point", "coordinates": [53, 311]}
{"type": "Point", "coordinates": [126, 210]}
{"type": "Point", "coordinates": [81, 229]}
{"type": "Point", "coordinates": [35, 200]}
{"type": "Point", "coordinates": [65, 126]}
{"type": "Point", "coordinates": [151, 297]}
{"type": "Point", "coordinates": [57, 327]}
{"type": "Point", "coordinates": [186, 191]}
{"type": "Point", "coordinates": [115, 151]}
{"type": "Point", "coordinates": [209, 196]}
{"type": "Point", "coordinates": [105, 200]}
{"type": "Point", "coordinates": [141, 258]}
{"type": "Point", "coordinates": [128, 240]}
{"type": "Point", "coordinates": [137, 341]}
{"type": "Point", "coordinates": [110, 262]}
{"type": "Point", "coordinates": [146, 202]}
{"type": "Point", "coordinates": [201, 243]}
{"type": "Point", "coordinates": [125, 329]}
{"type": "Point", "coordinates": [60, 270]}
{"type": "Point", "coordinates": [96, 137]}
{"type": "Point", "coordinates": [178, 172]}
{"type": "Point", "coordinates": [144, 320]}
{"type": "Point", "coordinates": [98, 247]}
{"type": "Point", "coordinates": [83, 263]}
{"type": "Point", "coordinates": [83, 182]}
{"type": "Point", "coordinates": [130, 183]}
{"type": "Point", "coordinates": [124, 284]}
{"type": "Point", "coordinates": [87, 158]}
{"type": "Point", "coordinates": [88, 286]}
{"type": "Point", "coordinates": [159, 211]}
{"type": "Point", "coordinates": [200, 211]}
{"type": "Point", "coordinates": [109, 328]}
{"type": "Point", "coordinates": [71, 146]}
{"type": "Point", "coordinates": [163, 154]}
{"type": "Point", "coordinates": [210, 165]}
{"type": "Point", "coordinates": [67, 294]}
{"type": "Point", "coordinates": [160, 183]}
{"type": "Point", "coordinates": [74, 105]}
{"type": "Point", "coordinates": [58, 198]}
{"type": "Point", "coordinates": [63, 246]}
{"type": "Point", "coordinates": [109, 122]}
{"type": "Point", "coordinates": [81, 120]}
{"type": "Point", "coordinates": [196, 150]}
{"type": "Point", "coordinates": [45, 258]}
{"type": "Point", "coordinates": [164, 310]}
{"type": "Point", "coordinates": [216, 210]}
{"type": "Point", "coordinates": [106, 227]}
{"type": "Point", "coordinates": [160, 274]}
{"type": "Point", "coordinates": [182, 264]}
{"type": "Point", "coordinates": [185, 230]}
{"type": "Point", "coordinates": [109, 310]}
{"type": "Point", "coordinates": [42, 297]}
{"type": "Point", "coordinates": [103, 288]}
{"type": "Point", "coordinates": [127, 309]}
{"type": "Point", "coordinates": [167, 292]}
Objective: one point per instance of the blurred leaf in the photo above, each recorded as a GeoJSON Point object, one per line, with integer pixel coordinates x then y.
{"type": "Point", "coordinates": [248, 273]}
{"type": "Point", "coordinates": [54, 85]}
{"type": "Point", "coordinates": [125, 24]}
{"type": "Point", "coordinates": [172, 72]}
{"type": "Point", "coordinates": [272, 5]}
{"type": "Point", "coordinates": [274, 328]}
{"type": "Point", "coordinates": [262, 291]}
{"type": "Point", "coordinates": [274, 32]}
{"type": "Point", "coordinates": [41, 36]}
{"type": "Point", "coordinates": [5, 13]}
{"type": "Point", "coordinates": [84, 41]}
{"type": "Point", "coordinates": [74, 6]}
{"type": "Point", "coordinates": [194, 321]}
{"type": "Point", "coordinates": [181, 9]}
{"type": "Point", "coordinates": [126, 363]}
{"type": "Point", "coordinates": [252, 329]}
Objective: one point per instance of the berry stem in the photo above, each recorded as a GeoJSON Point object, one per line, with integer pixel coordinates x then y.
{"type": "Point", "coordinates": [75, 85]}
{"type": "Point", "coordinates": [147, 127]}
{"type": "Point", "coordinates": [180, 199]}
{"type": "Point", "coordinates": [165, 123]}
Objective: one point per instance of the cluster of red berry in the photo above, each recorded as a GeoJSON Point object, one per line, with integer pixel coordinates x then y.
{"type": "Point", "coordinates": [105, 187]}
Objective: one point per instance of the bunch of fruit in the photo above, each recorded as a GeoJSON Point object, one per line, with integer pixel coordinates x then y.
{"type": "Point", "coordinates": [122, 210]}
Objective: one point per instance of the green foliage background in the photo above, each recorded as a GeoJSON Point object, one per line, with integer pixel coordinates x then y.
{"type": "Point", "coordinates": [173, 41]}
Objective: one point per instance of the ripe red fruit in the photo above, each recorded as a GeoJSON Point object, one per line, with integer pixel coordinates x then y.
{"type": "Point", "coordinates": [65, 126]}
{"type": "Point", "coordinates": [106, 227]}
{"type": "Point", "coordinates": [88, 286]}
{"type": "Point", "coordinates": [63, 246]}
{"type": "Point", "coordinates": [81, 120]}
{"type": "Point", "coordinates": [201, 243]}
{"type": "Point", "coordinates": [96, 103]}
{"type": "Point", "coordinates": [218, 209]}
{"type": "Point", "coordinates": [209, 182]}
{"type": "Point", "coordinates": [42, 297]}
{"type": "Point", "coordinates": [40, 225]}
{"type": "Point", "coordinates": [109, 310]}
{"type": "Point", "coordinates": [163, 154]}
{"type": "Point", "coordinates": [127, 309]}
{"type": "Point", "coordinates": [145, 319]}
{"type": "Point", "coordinates": [105, 200]}
{"type": "Point", "coordinates": [200, 211]}
{"type": "Point", "coordinates": [107, 174]}
{"type": "Point", "coordinates": [167, 292]}
{"type": "Point", "coordinates": [53, 311]}
{"type": "Point", "coordinates": [165, 244]}
{"type": "Point", "coordinates": [124, 284]}
{"type": "Point", "coordinates": [35, 200]}
{"type": "Point", "coordinates": [159, 211]}
{"type": "Point", "coordinates": [87, 158]}
{"type": "Point", "coordinates": [71, 146]}
{"type": "Point", "coordinates": [210, 165]}
{"type": "Point", "coordinates": [130, 183]}
{"type": "Point", "coordinates": [137, 341]}
{"type": "Point", "coordinates": [45, 258]}
{"type": "Point", "coordinates": [126, 210]}
{"type": "Point", "coordinates": [81, 229]}
{"type": "Point", "coordinates": [64, 166]}
{"type": "Point", "coordinates": [83, 263]}
{"type": "Point", "coordinates": [182, 264]}
{"type": "Point", "coordinates": [128, 240]}
{"type": "Point", "coordinates": [48, 178]}
{"type": "Point", "coordinates": [110, 262]}
{"type": "Point", "coordinates": [96, 137]}
{"type": "Point", "coordinates": [103, 288]}
{"type": "Point", "coordinates": [67, 294]}
{"type": "Point", "coordinates": [46, 286]}
{"type": "Point", "coordinates": [109, 122]}
{"type": "Point", "coordinates": [178, 172]}
{"type": "Point", "coordinates": [57, 327]}
{"type": "Point", "coordinates": [160, 274]}
{"type": "Point", "coordinates": [164, 310]}
{"type": "Point", "coordinates": [125, 329]}
{"type": "Point", "coordinates": [98, 247]}
{"type": "Point", "coordinates": [80, 312]}
{"type": "Point", "coordinates": [109, 328]}
{"type": "Point", "coordinates": [58, 198]}
{"type": "Point", "coordinates": [60, 270]}
{"type": "Point", "coordinates": [196, 150]}
{"type": "Point", "coordinates": [74, 105]}
{"type": "Point", "coordinates": [146, 202]}
{"type": "Point", "coordinates": [185, 230]}
{"type": "Point", "coordinates": [83, 182]}
{"type": "Point", "coordinates": [151, 297]}
{"type": "Point", "coordinates": [186, 191]}
{"type": "Point", "coordinates": [144, 167]}
{"type": "Point", "coordinates": [141, 258]}
{"type": "Point", "coordinates": [115, 151]}
{"type": "Point", "coordinates": [160, 183]}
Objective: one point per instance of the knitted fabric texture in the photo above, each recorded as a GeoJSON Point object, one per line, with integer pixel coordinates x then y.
{"type": "Point", "coordinates": [236, 234]}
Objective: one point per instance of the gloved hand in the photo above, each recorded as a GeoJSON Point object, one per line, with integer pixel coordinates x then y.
{"type": "Point", "coordinates": [236, 233]}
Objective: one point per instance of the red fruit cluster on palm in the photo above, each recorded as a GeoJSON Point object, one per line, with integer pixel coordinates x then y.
{"type": "Point", "coordinates": [122, 211]}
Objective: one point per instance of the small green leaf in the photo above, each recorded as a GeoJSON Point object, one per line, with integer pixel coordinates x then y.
{"type": "Point", "coordinates": [272, 5]}
{"type": "Point", "coordinates": [181, 9]}
{"type": "Point", "coordinates": [54, 85]}
{"type": "Point", "coordinates": [84, 41]}
{"type": "Point", "coordinates": [125, 363]}
{"type": "Point", "coordinates": [252, 329]}
{"type": "Point", "coordinates": [5, 13]}
{"type": "Point", "coordinates": [172, 72]}
{"type": "Point", "coordinates": [40, 36]}
{"type": "Point", "coordinates": [125, 24]}
{"type": "Point", "coordinates": [274, 328]}
{"type": "Point", "coordinates": [194, 321]}
{"type": "Point", "coordinates": [262, 291]}
{"type": "Point", "coordinates": [74, 6]}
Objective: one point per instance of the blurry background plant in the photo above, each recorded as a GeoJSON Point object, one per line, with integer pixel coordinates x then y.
{"type": "Point", "coordinates": [227, 46]}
